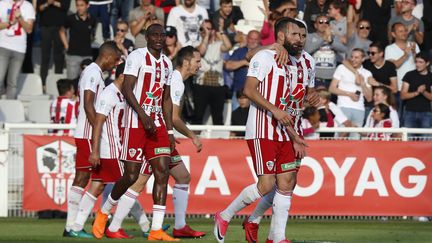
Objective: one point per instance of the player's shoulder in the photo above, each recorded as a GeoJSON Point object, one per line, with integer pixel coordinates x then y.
{"type": "Point", "coordinates": [92, 70]}
{"type": "Point", "coordinates": [265, 56]}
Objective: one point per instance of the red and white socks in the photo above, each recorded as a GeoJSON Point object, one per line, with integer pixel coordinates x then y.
{"type": "Point", "coordinates": [158, 216]}
{"type": "Point", "coordinates": [124, 206]}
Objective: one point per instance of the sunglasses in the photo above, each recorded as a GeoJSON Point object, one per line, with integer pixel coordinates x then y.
{"type": "Point", "coordinates": [170, 36]}
{"type": "Point", "coordinates": [372, 53]}
{"type": "Point", "coordinates": [121, 30]}
{"type": "Point", "coordinates": [364, 27]}
{"type": "Point", "coordinates": [323, 22]}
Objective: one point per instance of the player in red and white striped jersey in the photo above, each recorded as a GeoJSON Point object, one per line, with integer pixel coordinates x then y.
{"type": "Point", "coordinates": [148, 128]}
{"type": "Point", "coordinates": [272, 141]}
{"type": "Point", "coordinates": [64, 109]}
{"type": "Point", "coordinates": [90, 85]}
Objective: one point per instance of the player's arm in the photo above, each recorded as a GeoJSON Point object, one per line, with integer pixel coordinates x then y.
{"type": "Point", "coordinates": [281, 53]}
{"type": "Point", "coordinates": [94, 158]}
{"type": "Point", "coordinates": [167, 110]}
{"type": "Point", "coordinates": [127, 90]}
{"type": "Point", "coordinates": [89, 108]}
{"type": "Point", "coordinates": [181, 127]}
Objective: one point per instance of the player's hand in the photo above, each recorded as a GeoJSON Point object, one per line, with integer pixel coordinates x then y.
{"type": "Point", "coordinates": [313, 99]}
{"type": "Point", "coordinates": [94, 159]}
{"type": "Point", "coordinates": [197, 142]}
{"type": "Point", "coordinates": [282, 56]}
{"type": "Point", "coordinates": [283, 117]}
{"type": "Point", "coordinates": [300, 148]}
{"type": "Point", "coordinates": [148, 124]}
{"type": "Point", "coordinates": [172, 141]}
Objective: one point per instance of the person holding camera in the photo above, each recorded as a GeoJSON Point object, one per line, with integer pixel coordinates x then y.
{"type": "Point", "coordinates": [351, 89]}
{"type": "Point", "coordinates": [141, 17]}
{"type": "Point", "coordinates": [209, 89]}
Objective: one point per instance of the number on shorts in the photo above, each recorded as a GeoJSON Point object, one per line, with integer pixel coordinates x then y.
{"type": "Point", "coordinates": [139, 156]}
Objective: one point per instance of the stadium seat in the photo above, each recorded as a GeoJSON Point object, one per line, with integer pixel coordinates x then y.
{"type": "Point", "coordinates": [51, 84]}
{"type": "Point", "coordinates": [251, 12]}
{"type": "Point", "coordinates": [11, 111]}
{"type": "Point", "coordinates": [39, 111]}
{"type": "Point", "coordinates": [29, 84]}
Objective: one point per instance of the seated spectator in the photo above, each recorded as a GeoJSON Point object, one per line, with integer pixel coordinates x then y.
{"type": "Point", "coordinates": [141, 17]}
{"type": "Point", "coordinates": [187, 19]}
{"type": "Point", "coordinates": [17, 19]}
{"type": "Point", "coordinates": [414, 25]}
{"type": "Point", "coordinates": [209, 89]}
{"type": "Point", "coordinates": [310, 123]}
{"type": "Point", "coordinates": [172, 46]}
{"type": "Point", "coordinates": [231, 15]}
{"type": "Point", "coordinates": [240, 114]}
{"type": "Point", "coordinates": [339, 26]}
{"type": "Point", "coordinates": [352, 90]}
{"type": "Point", "coordinates": [383, 95]}
{"type": "Point", "coordinates": [321, 46]}
{"type": "Point", "coordinates": [416, 91]}
{"type": "Point", "coordinates": [64, 109]}
{"type": "Point", "coordinates": [314, 8]}
{"type": "Point", "coordinates": [330, 114]}
{"type": "Point", "coordinates": [125, 45]}
{"type": "Point", "coordinates": [376, 12]}
{"type": "Point", "coordinates": [380, 119]}
{"type": "Point", "coordinates": [238, 64]}
{"type": "Point", "coordinates": [78, 46]}
{"type": "Point", "coordinates": [358, 38]}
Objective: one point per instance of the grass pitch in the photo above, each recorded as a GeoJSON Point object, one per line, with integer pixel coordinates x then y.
{"type": "Point", "coordinates": [39, 230]}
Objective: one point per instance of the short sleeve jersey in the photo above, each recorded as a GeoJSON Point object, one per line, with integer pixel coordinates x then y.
{"type": "Point", "coordinates": [64, 111]}
{"type": "Point", "coordinates": [273, 86]}
{"type": "Point", "coordinates": [177, 88]}
{"type": "Point", "coordinates": [152, 75]}
{"type": "Point", "coordinates": [110, 103]}
{"type": "Point", "coordinates": [91, 79]}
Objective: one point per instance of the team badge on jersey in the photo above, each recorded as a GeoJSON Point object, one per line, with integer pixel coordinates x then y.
{"type": "Point", "coordinates": [56, 167]}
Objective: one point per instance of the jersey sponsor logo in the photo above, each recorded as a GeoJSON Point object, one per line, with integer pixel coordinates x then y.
{"type": "Point", "coordinates": [288, 166]}
{"type": "Point", "coordinates": [163, 150]}
{"type": "Point", "coordinates": [56, 167]}
{"type": "Point", "coordinates": [132, 152]}
{"type": "Point", "coordinates": [270, 165]}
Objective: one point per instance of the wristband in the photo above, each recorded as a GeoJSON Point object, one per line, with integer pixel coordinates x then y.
{"type": "Point", "coordinates": [170, 132]}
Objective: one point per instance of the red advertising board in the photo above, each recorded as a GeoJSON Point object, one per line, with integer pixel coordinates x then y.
{"type": "Point", "coordinates": [337, 177]}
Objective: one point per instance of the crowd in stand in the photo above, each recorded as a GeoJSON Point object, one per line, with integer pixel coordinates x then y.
{"type": "Point", "coordinates": [372, 57]}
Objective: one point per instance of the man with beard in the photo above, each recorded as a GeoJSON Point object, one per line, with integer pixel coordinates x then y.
{"type": "Point", "coordinates": [273, 143]}
{"type": "Point", "coordinates": [303, 66]}
{"type": "Point", "coordinates": [148, 133]}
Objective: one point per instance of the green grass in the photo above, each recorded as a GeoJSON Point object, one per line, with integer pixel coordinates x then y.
{"type": "Point", "coordinates": [36, 230]}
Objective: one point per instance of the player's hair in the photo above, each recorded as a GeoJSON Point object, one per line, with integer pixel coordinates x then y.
{"type": "Point", "coordinates": [185, 53]}
{"type": "Point", "coordinates": [309, 111]}
{"type": "Point", "coordinates": [63, 86]}
{"type": "Point", "coordinates": [301, 24]}
{"type": "Point", "coordinates": [225, 2]}
{"type": "Point", "coordinates": [393, 27]}
{"type": "Point", "coordinates": [108, 48]}
{"type": "Point", "coordinates": [385, 109]}
{"type": "Point", "coordinates": [423, 55]}
{"type": "Point", "coordinates": [281, 25]}
{"type": "Point", "coordinates": [123, 22]}
{"type": "Point", "coordinates": [119, 69]}
{"type": "Point", "coordinates": [341, 5]}
{"type": "Point", "coordinates": [391, 100]}
{"type": "Point", "coordinates": [378, 45]}
{"type": "Point", "coordinates": [86, 1]}
{"type": "Point", "coordinates": [152, 26]}
{"type": "Point", "coordinates": [359, 50]}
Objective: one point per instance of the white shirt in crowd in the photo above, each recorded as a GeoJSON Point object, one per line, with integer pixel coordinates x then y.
{"type": "Point", "coordinates": [91, 79]}
{"type": "Point", "coordinates": [394, 117]}
{"type": "Point", "coordinates": [394, 52]}
{"type": "Point", "coordinates": [347, 83]}
{"type": "Point", "coordinates": [13, 38]}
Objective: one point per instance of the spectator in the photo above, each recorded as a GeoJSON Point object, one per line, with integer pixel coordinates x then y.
{"type": "Point", "coordinates": [187, 18]}
{"type": "Point", "coordinates": [273, 11]}
{"type": "Point", "coordinates": [240, 114]}
{"type": "Point", "coordinates": [239, 64]}
{"type": "Point", "coordinates": [99, 10]}
{"type": "Point", "coordinates": [359, 38]}
{"type": "Point", "coordinates": [330, 114]}
{"type": "Point", "coordinates": [231, 16]}
{"type": "Point", "coordinates": [52, 16]}
{"type": "Point", "coordinates": [209, 5]}
{"type": "Point", "coordinates": [351, 89]}
{"type": "Point", "coordinates": [416, 91]}
{"type": "Point", "coordinates": [210, 90]}
{"type": "Point", "coordinates": [286, 8]}
{"type": "Point", "coordinates": [81, 28]}
{"type": "Point", "coordinates": [172, 46]}
{"type": "Point", "coordinates": [314, 8]}
{"type": "Point", "coordinates": [120, 9]}
{"type": "Point", "coordinates": [382, 94]}
{"type": "Point", "coordinates": [64, 109]}
{"type": "Point", "coordinates": [125, 45]}
{"type": "Point", "coordinates": [377, 12]}
{"type": "Point", "coordinates": [166, 5]}
{"type": "Point", "coordinates": [141, 17]}
{"type": "Point", "coordinates": [414, 25]}
{"type": "Point", "coordinates": [17, 19]}
{"type": "Point", "coordinates": [339, 26]}
{"type": "Point", "coordinates": [310, 123]}
{"type": "Point", "coordinates": [397, 8]}
{"type": "Point", "coordinates": [380, 119]}
{"type": "Point", "coordinates": [427, 20]}
{"type": "Point", "coordinates": [322, 47]}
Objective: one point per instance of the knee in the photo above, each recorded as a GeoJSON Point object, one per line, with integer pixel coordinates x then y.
{"type": "Point", "coordinates": [131, 178]}
{"type": "Point", "coordinates": [184, 179]}
{"type": "Point", "coordinates": [287, 184]}
{"type": "Point", "coordinates": [265, 186]}
{"type": "Point", "coordinates": [81, 179]}
{"type": "Point", "coordinates": [161, 173]}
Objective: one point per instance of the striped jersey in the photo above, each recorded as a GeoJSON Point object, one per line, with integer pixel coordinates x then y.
{"type": "Point", "coordinates": [301, 73]}
{"type": "Point", "coordinates": [273, 86]}
{"type": "Point", "coordinates": [91, 79]}
{"type": "Point", "coordinates": [111, 104]}
{"type": "Point", "coordinates": [152, 75]}
{"type": "Point", "coordinates": [64, 111]}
